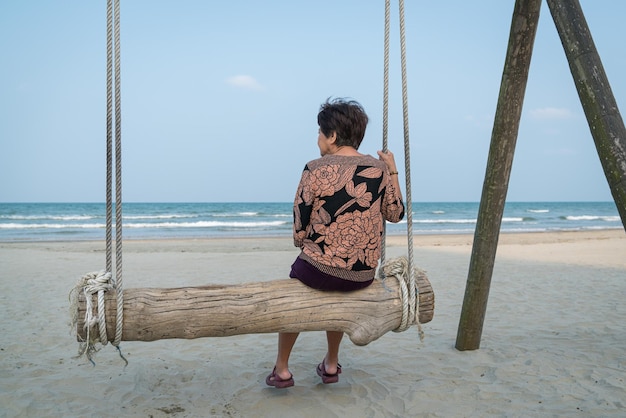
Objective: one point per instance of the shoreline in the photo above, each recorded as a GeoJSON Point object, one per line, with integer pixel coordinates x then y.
{"type": "Point", "coordinates": [419, 239]}
{"type": "Point", "coordinates": [560, 246]}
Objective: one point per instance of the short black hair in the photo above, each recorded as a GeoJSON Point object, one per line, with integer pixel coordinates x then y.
{"type": "Point", "coordinates": [346, 118]}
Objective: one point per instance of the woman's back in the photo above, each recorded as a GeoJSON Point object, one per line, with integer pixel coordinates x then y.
{"type": "Point", "coordinates": [339, 210]}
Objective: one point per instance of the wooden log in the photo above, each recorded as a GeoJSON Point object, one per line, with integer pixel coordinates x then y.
{"type": "Point", "coordinates": [262, 307]}
{"type": "Point", "coordinates": [597, 99]}
{"type": "Point", "coordinates": [499, 163]}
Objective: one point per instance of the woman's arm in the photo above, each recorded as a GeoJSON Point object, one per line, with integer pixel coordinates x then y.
{"type": "Point", "coordinates": [393, 207]}
{"type": "Point", "coordinates": [301, 211]}
{"type": "Point", "coordinates": [389, 160]}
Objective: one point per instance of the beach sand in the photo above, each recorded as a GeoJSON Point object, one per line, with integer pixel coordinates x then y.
{"type": "Point", "coordinates": [553, 342]}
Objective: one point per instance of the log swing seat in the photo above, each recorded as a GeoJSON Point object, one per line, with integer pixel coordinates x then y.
{"type": "Point", "coordinates": [102, 311]}
{"type": "Point", "coordinates": [251, 308]}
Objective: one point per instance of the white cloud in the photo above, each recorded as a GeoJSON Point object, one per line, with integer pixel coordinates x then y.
{"type": "Point", "coordinates": [550, 113]}
{"type": "Point", "coordinates": [245, 82]}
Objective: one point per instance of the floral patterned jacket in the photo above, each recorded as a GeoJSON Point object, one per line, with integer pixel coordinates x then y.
{"type": "Point", "coordinates": [339, 210]}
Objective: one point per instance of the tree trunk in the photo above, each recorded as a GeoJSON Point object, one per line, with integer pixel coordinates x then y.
{"type": "Point", "coordinates": [499, 163]}
{"type": "Point", "coordinates": [605, 122]}
{"type": "Point", "coordinates": [263, 307]}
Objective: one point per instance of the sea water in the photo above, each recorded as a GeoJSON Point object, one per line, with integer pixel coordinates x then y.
{"type": "Point", "coordinates": [87, 221]}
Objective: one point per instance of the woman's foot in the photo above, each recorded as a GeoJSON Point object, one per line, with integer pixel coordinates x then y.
{"type": "Point", "coordinates": [327, 377]}
{"type": "Point", "coordinates": [273, 379]}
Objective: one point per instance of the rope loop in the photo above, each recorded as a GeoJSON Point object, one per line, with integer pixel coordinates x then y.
{"type": "Point", "coordinates": [409, 293]}
{"type": "Point", "coordinates": [96, 282]}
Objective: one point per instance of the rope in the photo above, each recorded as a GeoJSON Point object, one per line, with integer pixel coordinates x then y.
{"type": "Point", "coordinates": [401, 268]}
{"type": "Point", "coordinates": [94, 282]}
{"type": "Point", "coordinates": [407, 154]}
{"type": "Point", "coordinates": [113, 56]}
{"type": "Point", "coordinates": [118, 182]}
{"type": "Point", "coordinates": [91, 283]}
{"type": "Point", "coordinates": [385, 112]}
{"type": "Point", "coordinates": [102, 281]}
{"type": "Point", "coordinates": [109, 138]}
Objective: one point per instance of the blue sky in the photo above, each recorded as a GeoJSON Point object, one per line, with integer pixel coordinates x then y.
{"type": "Point", "coordinates": [219, 99]}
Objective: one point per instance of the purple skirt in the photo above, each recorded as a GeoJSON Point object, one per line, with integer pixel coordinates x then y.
{"type": "Point", "coordinates": [312, 277]}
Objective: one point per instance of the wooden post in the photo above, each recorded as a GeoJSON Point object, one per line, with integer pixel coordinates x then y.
{"type": "Point", "coordinates": [503, 139]}
{"type": "Point", "coordinates": [596, 96]}
{"type": "Point", "coordinates": [252, 308]}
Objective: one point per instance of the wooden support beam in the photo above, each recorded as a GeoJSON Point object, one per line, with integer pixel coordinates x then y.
{"type": "Point", "coordinates": [263, 307]}
{"type": "Point", "coordinates": [603, 116]}
{"type": "Point", "coordinates": [499, 163]}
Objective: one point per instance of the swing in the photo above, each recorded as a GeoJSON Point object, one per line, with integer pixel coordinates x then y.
{"type": "Point", "coordinates": [105, 312]}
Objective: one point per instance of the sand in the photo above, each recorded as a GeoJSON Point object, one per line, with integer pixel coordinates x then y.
{"type": "Point", "coordinates": [553, 341]}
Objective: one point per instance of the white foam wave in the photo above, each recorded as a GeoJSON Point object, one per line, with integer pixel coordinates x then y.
{"type": "Point", "coordinates": [234, 214]}
{"type": "Point", "coordinates": [251, 214]}
{"type": "Point", "coordinates": [172, 216]}
{"type": "Point", "coordinates": [206, 224]}
{"type": "Point", "coordinates": [47, 217]}
{"type": "Point", "coordinates": [593, 218]}
{"type": "Point", "coordinates": [50, 226]}
{"type": "Point", "coordinates": [444, 221]}
{"type": "Point", "coordinates": [538, 210]}
{"type": "Point", "coordinates": [461, 221]}
{"type": "Point", "coordinates": [156, 225]}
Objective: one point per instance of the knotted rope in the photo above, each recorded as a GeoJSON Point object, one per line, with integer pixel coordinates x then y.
{"type": "Point", "coordinates": [97, 282]}
{"type": "Point", "coordinates": [399, 269]}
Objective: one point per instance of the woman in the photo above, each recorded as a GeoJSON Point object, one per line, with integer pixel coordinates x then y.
{"type": "Point", "coordinates": [341, 203]}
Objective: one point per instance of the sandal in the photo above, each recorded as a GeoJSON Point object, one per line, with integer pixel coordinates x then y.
{"type": "Point", "coordinates": [327, 377]}
{"type": "Point", "coordinates": [275, 380]}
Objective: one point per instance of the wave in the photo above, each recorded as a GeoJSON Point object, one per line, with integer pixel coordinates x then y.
{"type": "Point", "coordinates": [172, 216]}
{"type": "Point", "coordinates": [51, 226]}
{"type": "Point", "coordinates": [156, 225]}
{"type": "Point", "coordinates": [464, 221]}
{"type": "Point", "coordinates": [591, 218]}
{"type": "Point", "coordinates": [49, 217]}
{"type": "Point", "coordinates": [208, 224]}
{"type": "Point", "coordinates": [251, 215]}
{"type": "Point", "coordinates": [234, 214]}
{"type": "Point", "coordinates": [444, 221]}
{"type": "Point", "coordinates": [89, 217]}
{"type": "Point", "coordinates": [20, 221]}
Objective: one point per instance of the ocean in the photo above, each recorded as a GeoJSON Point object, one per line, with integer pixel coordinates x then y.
{"type": "Point", "coordinates": [87, 221]}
